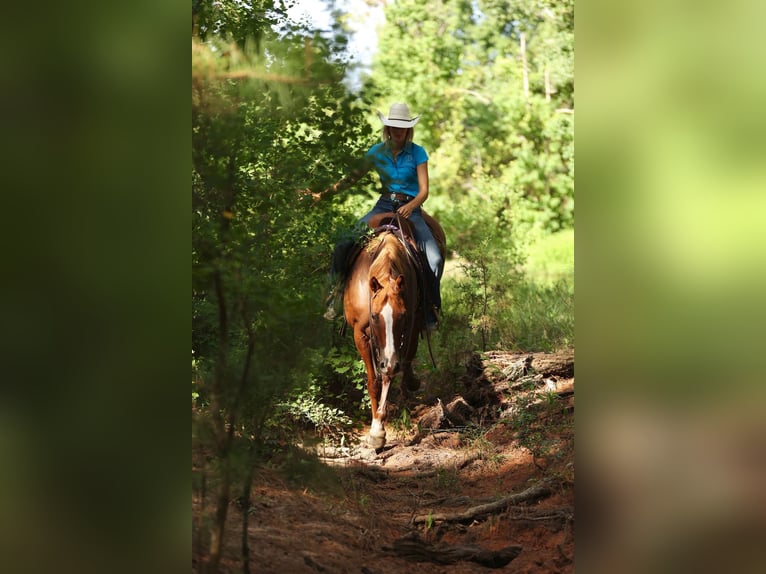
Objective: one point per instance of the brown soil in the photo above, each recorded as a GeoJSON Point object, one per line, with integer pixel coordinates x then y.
{"type": "Point", "coordinates": [349, 510]}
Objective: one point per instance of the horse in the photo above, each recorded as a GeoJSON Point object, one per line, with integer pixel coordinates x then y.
{"type": "Point", "coordinates": [383, 304]}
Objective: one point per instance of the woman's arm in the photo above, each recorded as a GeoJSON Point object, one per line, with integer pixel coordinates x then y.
{"type": "Point", "coordinates": [422, 195]}
{"type": "Point", "coordinates": [343, 183]}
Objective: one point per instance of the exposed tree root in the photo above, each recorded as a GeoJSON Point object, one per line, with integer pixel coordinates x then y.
{"type": "Point", "coordinates": [536, 492]}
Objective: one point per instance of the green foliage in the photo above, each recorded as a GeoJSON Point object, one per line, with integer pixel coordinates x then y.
{"type": "Point", "coordinates": [401, 423]}
{"type": "Point", "coordinates": [460, 65]}
{"type": "Point", "coordinates": [268, 118]}
{"type": "Point", "coordinates": [477, 291]}
{"type": "Point", "coordinates": [493, 295]}
{"type": "Point", "coordinates": [346, 361]}
{"type": "Point", "coordinates": [491, 258]}
{"type": "Point", "coordinates": [332, 423]}
{"type": "Point", "coordinates": [347, 377]}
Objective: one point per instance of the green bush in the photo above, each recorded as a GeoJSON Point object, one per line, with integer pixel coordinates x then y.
{"type": "Point", "coordinates": [332, 424]}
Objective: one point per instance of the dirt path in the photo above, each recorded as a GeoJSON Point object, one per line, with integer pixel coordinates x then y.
{"type": "Point", "coordinates": [484, 481]}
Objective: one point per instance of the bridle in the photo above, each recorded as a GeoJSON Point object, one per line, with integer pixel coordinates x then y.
{"type": "Point", "coordinates": [375, 346]}
{"type": "Point", "coordinates": [403, 347]}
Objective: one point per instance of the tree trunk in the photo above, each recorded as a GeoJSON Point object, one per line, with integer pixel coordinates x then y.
{"type": "Point", "coordinates": [246, 519]}
{"type": "Point", "coordinates": [219, 529]}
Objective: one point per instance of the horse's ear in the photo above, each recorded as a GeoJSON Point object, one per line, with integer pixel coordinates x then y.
{"type": "Point", "coordinates": [375, 285]}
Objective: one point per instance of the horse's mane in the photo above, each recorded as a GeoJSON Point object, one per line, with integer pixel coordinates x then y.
{"type": "Point", "coordinates": [389, 257]}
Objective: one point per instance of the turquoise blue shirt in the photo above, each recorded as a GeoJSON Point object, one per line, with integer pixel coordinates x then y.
{"type": "Point", "coordinates": [400, 176]}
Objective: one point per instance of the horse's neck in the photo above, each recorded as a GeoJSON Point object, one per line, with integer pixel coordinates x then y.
{"type": "Point", "coordinates": [397, 262]}
{"type": "Point", "coordinates": [390, 261]}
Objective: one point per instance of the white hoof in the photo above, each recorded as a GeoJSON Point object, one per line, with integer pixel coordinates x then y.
{"type": "Point", "coordinates": [376, 440]}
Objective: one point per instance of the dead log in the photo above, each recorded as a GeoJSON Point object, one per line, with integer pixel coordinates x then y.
{"type": "Point", "coordinates": [559, 364]}
{"type": "Point", "coordinates": [535, 492]}
{"type": "Point", "coordinates": [434, 417]}
{"type": "Point", "coordinates": [506, 368]}
{"type": "Point", "coordinates": [458, 412]}
{"type": "Point", "coordinates": [511, 366]}
{"type": "Point", "coordinates": [413, 548]}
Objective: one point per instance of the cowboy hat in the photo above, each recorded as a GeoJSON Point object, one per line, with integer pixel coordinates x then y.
{"type": "Point", "coordinates": [399, 117]}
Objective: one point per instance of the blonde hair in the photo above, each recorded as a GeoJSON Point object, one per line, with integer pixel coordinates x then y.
{"type": "Point", "coordinates": [387, 134]}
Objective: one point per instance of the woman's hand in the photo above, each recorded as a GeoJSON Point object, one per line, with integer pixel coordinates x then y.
{"type": "Point", "coordinates": [406, 210]}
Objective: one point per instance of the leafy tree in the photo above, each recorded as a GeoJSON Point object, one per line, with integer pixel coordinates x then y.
{"type": "Point", "coordinates": [462, 65]}
{"type": "Point", "coordinates": [270, 116]}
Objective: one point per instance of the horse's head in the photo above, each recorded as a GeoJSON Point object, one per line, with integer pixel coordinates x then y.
{"type": "Point", "coordinates": [389, 322]}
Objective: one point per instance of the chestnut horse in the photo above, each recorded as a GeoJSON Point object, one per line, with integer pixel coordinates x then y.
{"type": "Point", "coordinates": [382, 303]}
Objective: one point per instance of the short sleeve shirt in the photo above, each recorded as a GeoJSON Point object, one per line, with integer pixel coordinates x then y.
{"type": "Point", "coordinates": [400, 175]}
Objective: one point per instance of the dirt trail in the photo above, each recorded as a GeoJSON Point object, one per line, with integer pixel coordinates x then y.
{"type": "Point", "coordinates": [460, 492]}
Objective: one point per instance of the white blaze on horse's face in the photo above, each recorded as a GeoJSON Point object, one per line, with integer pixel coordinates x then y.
{"type": "Point", "coordinates": [389, 351]}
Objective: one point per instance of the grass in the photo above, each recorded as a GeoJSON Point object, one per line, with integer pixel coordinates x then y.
{"type": "Point", "coordinates": [538, 317]}
{"type": "Point", "coordinates": [530, 311]}
{"type": "Point", "coordinates": [550, 260]}
{"type": "Point", "coordinates": [541, 316]}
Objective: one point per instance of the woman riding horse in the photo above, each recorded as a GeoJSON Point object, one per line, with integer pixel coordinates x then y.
{"type": "Point", "coordinates": [402, 166]}
{"type": "Point", "coordinates": [383, 300]}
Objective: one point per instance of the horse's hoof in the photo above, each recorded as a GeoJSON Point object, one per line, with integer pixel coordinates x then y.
{"type": "Point", "coordinates": [376, 442]}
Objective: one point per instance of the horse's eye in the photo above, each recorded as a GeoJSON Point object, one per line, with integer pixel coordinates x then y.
{"type": "Point", "coordinates": [374, 316]}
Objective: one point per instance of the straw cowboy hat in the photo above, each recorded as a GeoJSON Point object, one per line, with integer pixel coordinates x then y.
{"type": "Point", "coordinates": [399, 117]}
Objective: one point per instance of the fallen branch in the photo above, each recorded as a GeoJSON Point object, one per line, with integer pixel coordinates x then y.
{"type": "Point", "coordinates": [413, 548]}
{"type": "Point", "coordinates": [536, 492]}
{"type": "Point", "coordinates": [523, 513]}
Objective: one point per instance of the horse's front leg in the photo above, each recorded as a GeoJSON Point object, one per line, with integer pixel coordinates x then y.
{"type": "Point", "coordinates": [377, 436]}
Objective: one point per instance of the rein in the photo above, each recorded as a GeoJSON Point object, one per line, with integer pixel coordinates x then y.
{"type": "Point", "coordinates": [412, 254]}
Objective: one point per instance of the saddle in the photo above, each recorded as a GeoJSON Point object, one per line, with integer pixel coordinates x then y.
{"type": "Point", "coordinates": [392, 219]}
{"type": "Point", "coordinates": [346, 252]}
